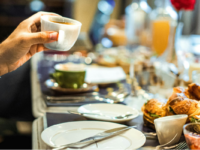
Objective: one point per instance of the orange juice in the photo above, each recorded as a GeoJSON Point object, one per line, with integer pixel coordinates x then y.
{"type": "Point", "coordinates": [161, 33]}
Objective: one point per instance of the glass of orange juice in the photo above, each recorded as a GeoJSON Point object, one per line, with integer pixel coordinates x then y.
{"type": "Point", "coordinates": [163, 26]}
{"type": "Point", "coordinates": [160, 36]}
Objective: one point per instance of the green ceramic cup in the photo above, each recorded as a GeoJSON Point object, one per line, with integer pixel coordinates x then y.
{"type": "Point", "coordinates": [69, 75]}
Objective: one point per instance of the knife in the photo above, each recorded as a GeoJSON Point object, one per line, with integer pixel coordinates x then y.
{"type": "Point", "coordinates": [74, 99]}
{"type": "Point", "coordinates": [98, 137]}
{"type": "Point", "coordinates": [87, 97]}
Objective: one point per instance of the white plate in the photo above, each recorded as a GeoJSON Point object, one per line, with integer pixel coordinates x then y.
{"type": "Point", "coordinates": [110, 110]}
{"type": "Point", "coordinates": [104, 75]}
{"type": "Point", "coordinates": [70, 132]}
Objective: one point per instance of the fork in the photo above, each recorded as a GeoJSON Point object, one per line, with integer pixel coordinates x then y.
{"type": "Point", "coordinates": [182, 145]}
{"type": "Point", "coordinates": [100, 114]}
{"type": "Point", "coordinates": [159, 146]}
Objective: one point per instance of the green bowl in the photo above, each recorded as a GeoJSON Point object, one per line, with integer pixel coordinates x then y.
{"type": "Point", "coordinates": [68, 79]}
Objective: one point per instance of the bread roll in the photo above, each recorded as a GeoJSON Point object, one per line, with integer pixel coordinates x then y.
{"type": "Point", "coordinates": [194, 90]}
{"type": "Point", "coordinates": [153, 109]}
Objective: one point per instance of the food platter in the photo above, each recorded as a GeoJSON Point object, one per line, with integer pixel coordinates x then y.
{"type": "Point", "coordinates": [181, 101]}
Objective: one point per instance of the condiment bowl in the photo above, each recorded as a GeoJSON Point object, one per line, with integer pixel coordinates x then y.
{"type": "Point", "coordinates": [168, 127]}
{"type": "Point", "coordinates": [192, 135]}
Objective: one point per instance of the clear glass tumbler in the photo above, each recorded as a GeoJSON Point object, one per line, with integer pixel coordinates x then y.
{"type": "Point", "coordinates": [196, 76]}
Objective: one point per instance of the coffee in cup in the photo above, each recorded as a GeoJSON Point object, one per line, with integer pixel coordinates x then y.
{"type": "Point", "coordinates": [66, 23]}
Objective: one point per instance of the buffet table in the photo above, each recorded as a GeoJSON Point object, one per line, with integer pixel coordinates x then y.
{"type": "Point", "coordinates": [39, 107]}
{"type": "Point", "coordinates": [42, 112]}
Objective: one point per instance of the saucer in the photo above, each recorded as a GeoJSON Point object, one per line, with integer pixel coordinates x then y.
{"type": "Point", "coordinates": [51, 84]}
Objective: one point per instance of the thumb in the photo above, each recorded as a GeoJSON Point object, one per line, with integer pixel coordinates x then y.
{"type": "Point", "coordinates": [42, 37]}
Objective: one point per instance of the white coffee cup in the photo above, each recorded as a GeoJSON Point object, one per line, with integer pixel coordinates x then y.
{"type": "Point", "coordinates": [169, 127]}
{"type": "Point", "coordinates": [68, 34]}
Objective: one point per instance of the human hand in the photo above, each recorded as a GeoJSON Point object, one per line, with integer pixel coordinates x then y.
{"type": "Point", "coordinates": [26, 40]}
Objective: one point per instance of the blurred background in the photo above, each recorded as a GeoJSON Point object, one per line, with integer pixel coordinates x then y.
{"type": "Point", "coordinates": [109, 28]}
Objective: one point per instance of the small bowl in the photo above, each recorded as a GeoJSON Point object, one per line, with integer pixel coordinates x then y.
{"type": "Point", "coordinates": [192, 135]}
{"type": "Point", "coordinates": [168, 127]}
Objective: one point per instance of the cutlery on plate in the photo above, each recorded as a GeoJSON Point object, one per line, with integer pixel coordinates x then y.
{"type": "Point", "coordinates": [76, 99]}
{"type": "Point", "coordinates": [119, 97]}
{"type": "Point", "coordinates": [98, 137]}
{"type": "Point", "coordinates": [181, 145]}
{"type": "Point", "coordinates": [100, 114]}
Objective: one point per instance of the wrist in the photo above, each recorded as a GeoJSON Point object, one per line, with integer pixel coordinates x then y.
{"type": "Point", "coordinates": [3, 65]}
{"type": "Point", "coordinates": [3, 69]}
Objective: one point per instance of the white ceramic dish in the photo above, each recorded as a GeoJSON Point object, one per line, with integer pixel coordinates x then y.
{"type": "Point", "coordinates": [168, 127]}
{"type": "Point", "coordinates": [104, 75]}
{"type": "Point", "coordinates": [70, 132]}
{"type": "Point", "coordinates": [110, 110]}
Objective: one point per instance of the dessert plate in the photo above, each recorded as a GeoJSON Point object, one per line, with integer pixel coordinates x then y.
{"type": "Point", "coordinates": [107, 111]}
{"type": "Point", "coordinates": [70, 132]}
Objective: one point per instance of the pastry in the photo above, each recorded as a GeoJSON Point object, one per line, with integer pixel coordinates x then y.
{"type": "Point", "coordinates": [182, 101]}
{"type": "Point", "coordinates": [194, 89]}
{"type": "Point", "coordinates": [153, 109]}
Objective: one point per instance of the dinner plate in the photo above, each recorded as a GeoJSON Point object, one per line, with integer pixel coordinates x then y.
{"type": "Point", "coordinates": [52, 84]}
{"type": "Point", "coordinates": [66, 133]}
{"type": "Point", "coordinates": [108, 110]}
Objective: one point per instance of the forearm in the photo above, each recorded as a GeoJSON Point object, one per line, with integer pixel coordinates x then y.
{"type": "Point", "coordinates": [3, 65]}
{"type": "Point", "coordinates": [3, 69]}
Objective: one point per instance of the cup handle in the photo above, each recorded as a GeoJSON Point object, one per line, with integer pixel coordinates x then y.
{"type": "Point", "coordinates": [61, 37]}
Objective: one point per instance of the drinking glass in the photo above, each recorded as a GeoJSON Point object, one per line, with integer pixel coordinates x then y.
{"type": "Point", "coordinates": [138, 96]}
{"type": "Point", "coordinates": [163, 25]}
{"type": "Point", "coordinates": [196, 76]}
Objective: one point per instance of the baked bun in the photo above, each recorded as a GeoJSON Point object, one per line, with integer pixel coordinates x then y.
{"type": "Point", "coordinates": [148, 122]}
{"type": "Point", "coordinates": [194, 90]}
{"type": "Point", "coordinates": [184, 101]}
{"type": "Point", "coordinates": [153, 109]}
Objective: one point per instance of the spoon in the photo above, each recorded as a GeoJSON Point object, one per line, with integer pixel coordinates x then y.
{"type": "Point", "coordinates": [115, 117]}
